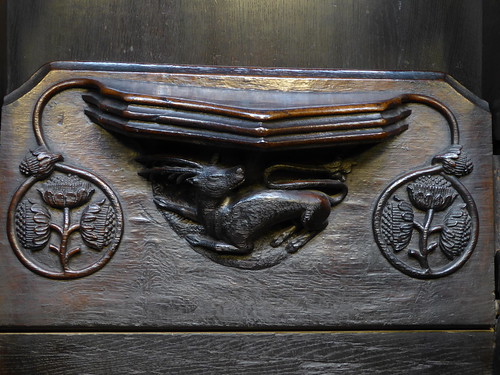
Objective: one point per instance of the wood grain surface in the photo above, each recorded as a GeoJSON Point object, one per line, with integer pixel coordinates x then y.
{"type": "Point", "coordinates": [453, 353]}
{"type": "Point", "coordinates": [440, 35]}
{"type": "Point", "coordinates": [340, 279]}
{"type": "Point", "coordinates": [144, 284]}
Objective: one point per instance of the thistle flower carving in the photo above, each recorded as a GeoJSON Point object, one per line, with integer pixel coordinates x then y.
{"type": "Point", "coordinates": [66, 191]}
{"type": "Point", "coordinates": [39, 162]}
{"type": "Point", "coordinates": [426, 222]}
{"type": "Point", "coordinates": [34, 223]}
{"type": "Point", "coordinates": [430, 194]}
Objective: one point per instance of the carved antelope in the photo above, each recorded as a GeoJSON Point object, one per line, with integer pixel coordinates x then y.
{"type": "Point", "coordinates": [233, 221]}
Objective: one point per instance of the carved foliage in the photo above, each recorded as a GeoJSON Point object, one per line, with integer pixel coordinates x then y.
{"type": "Point", "coordinates": [456, 232]}
{"type": "Point", "coordinates": [98, 225]}
{"type": "Point", "coordinates": [397, 224]}
{"type": "Point", "coordinates": [429, 194]}
{"type": "Point", "coordinates": [455, 161]}
{"type": "Point", "coordinates": [39, 162]}
{"type": "Point", "coordinates": [48, 221]}
{"type": "Point", "coordinates": [32, 225]}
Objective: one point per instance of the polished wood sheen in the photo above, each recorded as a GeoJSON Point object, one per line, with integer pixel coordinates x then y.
{"type": "Point", "coordinates": [158, 281]}
{"type": "Point", "coordinates": [338, 279]}
{"type": "Point", "coordinates": [363, 34]}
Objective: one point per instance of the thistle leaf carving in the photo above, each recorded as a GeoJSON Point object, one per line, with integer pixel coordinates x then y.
{"type": "Point", "coordinates": [98, 225]}
{"type": "Point", "coordinates": [397, 224]}
{"type": "Point", "coordinates": [456, 232]}
{"type": "Point", "coordinates": [32, 225]}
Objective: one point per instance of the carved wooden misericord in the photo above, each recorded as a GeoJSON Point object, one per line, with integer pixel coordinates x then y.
{"type": "Point", "coordinates": [228, 197]}
{"type": "Point", "coordinates": [247, 177]}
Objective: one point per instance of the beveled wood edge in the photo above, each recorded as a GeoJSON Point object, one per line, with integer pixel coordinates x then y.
{"type": "Point", "coordinates": [248, 71]}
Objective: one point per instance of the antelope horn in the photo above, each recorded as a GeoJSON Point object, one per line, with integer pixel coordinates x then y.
{"type": "Point", "coordinates": [168, 159]}
{"type": "Point", "coordinates": [166, 170]}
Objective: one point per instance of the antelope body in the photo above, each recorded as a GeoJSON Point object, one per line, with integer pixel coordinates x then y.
{"type": "Point", "coordinates": [233, 221]}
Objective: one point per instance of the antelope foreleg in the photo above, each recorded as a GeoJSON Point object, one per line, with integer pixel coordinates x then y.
{"type": "Point", "coordinates": [214, 245]}
{"type": "Point", "coordinates": [300, 240]}
{"type": "Point", "coordinates": [283, 236]}
{"type": "Point", "coordinates": [185, 211]}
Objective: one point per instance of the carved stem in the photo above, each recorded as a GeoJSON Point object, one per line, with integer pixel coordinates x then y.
{"type": "Point", "coordinates": [47, 95]}
{"type": "Point", "coordinates": [424, 239]}
{"type": "Point", "coordinates": [57, 228]}
{"type": "Point", "coordinates": [441, 108]}
{"type": "Point", "coordinates": [437, 228]}
{"type": "Point", "coordinates": [64, 239]}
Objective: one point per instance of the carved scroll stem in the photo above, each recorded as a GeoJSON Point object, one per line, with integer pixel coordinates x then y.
{"type": "Point", "coordinates": [65, 232]}
{"type": "Point", "coordinates": [47, 95]}
{"type": "Point", "coordinates": [441, 108]}
{"type": "Point", "coordinates": [112, 198]}
{"type": "Point", "coordinates": [424, 249]}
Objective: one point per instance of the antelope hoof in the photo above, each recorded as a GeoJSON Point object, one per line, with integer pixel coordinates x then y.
{"type": "Point", "coordinates": [299, 241]}
{"type": "Point", "coordinates": [283, 236]}
{"type": "Point", "coordinates": [293, 246]}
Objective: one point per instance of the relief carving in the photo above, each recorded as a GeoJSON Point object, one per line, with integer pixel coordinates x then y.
{"type": "Point", "coordinates": [217, 211]}
{"type": "Point", "coordinates": [97, 224]}
{"type": "Point", "coordinates": [242, 198]}
{"type": "Point", "coordinates": [55, 202]}
{"type": "Point", "coordinates": [426, 212]}
{"type": "Point", "coordinates": [47, 222]}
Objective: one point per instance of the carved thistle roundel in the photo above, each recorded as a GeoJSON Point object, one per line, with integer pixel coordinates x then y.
{"type": "Point", "coordinates": [426, 222]}
{"type": "Point", "coordinates": [64, 222]}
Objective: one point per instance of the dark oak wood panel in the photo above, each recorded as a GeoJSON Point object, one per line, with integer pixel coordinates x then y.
{"type": "Point", "coordinates": [340, 279]}
{"type": "Point", "coordinates": [386, 34]}
{"type": "Point", "coordinates": [491, 55]}
{"type": "Point", "coordinates": [454, 353]}
{"type": "Point", "coordinates": [455, 36]}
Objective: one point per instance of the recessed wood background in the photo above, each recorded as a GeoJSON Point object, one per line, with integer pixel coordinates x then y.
{"type": "Point", "coordinates": [338, 280]}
